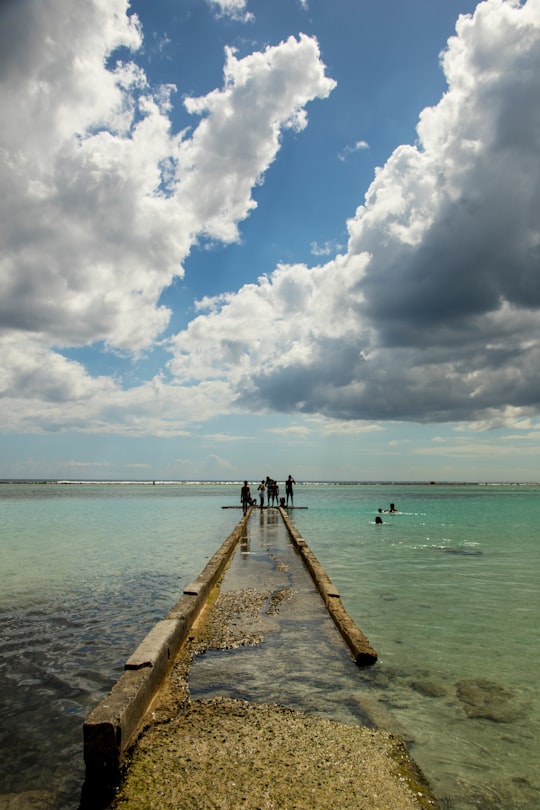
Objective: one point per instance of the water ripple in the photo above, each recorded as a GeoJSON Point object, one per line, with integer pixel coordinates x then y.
{"type": "Point", "coordinates": [56, 663]}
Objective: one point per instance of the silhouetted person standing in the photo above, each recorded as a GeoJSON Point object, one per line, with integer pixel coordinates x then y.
{"type": "Point", "coordinates": [245, 497]}
{"type": "Point", "coordinates": [289, 489]}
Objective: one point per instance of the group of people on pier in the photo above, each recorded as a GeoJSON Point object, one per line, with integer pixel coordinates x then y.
{"type": "Point", "coordinates": [269, 489]}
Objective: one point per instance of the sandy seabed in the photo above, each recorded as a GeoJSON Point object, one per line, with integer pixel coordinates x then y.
{"type": "Point", "coordinates": [224, 753]}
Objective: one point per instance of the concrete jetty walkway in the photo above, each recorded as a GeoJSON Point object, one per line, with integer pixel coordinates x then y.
{"type": "Point", "coordinates": [263, 707]}
{"type": "Point", "coordinates": [293, 653]}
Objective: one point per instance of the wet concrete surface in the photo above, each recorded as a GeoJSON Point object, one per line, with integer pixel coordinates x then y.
{"type": "Point", "coordinates": [302, 661]}
{"type": "Point", "coordinates": [250, 721]}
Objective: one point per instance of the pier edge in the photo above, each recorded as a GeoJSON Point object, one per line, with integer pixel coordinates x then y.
{"type": "Point", "coordinates": [113, 724]}
{"type": "Point", "coordinates": [363, 653]}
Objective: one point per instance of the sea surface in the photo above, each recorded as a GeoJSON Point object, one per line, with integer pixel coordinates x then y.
{"type": "Point", "coordinates": [446, 590]}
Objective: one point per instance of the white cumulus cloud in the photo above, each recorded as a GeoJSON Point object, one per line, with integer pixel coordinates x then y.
{"type": "Point", "coordinates": [433, 312]}
{"type": "Point", "coordinates": [102, 200]}
{"type": "Point", "coordinates": [236, 9]}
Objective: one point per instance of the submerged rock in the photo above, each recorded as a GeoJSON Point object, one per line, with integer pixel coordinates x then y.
{"type": "Point", "coordinates": [488, 700]}
{"type": "Point", "coordinates": [29, 800]}
{"type": "Point", "coordinates": [428, 688]}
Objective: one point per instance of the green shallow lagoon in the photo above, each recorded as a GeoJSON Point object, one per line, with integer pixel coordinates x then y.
{"type": "Point", "coordinates": [446, 591]}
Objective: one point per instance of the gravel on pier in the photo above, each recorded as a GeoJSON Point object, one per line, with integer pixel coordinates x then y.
{"type": "Point", "coordinates": [224, 753]}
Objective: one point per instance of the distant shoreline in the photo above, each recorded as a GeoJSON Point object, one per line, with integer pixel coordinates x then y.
{"type": "Point", "coordinates": [189, 482]}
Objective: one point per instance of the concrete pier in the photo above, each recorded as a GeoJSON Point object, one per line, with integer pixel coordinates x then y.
{"type": "Point", "coordinates": [290, 652]}
{"type": "Point", "coordinates": [113, 725]}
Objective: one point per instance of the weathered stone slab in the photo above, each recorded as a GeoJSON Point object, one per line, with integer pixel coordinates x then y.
{"type": "Point", "coordinates": [160, 642]}
{"type": "Point", "coordinates": [194, 588]}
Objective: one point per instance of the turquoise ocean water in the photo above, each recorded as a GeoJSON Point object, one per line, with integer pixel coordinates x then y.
{"type": "Point", "coordinates": [446, 590]}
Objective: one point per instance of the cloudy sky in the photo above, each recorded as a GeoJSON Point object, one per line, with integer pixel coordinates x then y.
{"type": "Point", "coordinates": [242, 238]}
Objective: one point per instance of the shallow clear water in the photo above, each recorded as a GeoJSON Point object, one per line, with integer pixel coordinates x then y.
{"type": "Point", "coordinates": [86, 572]}
{"type": "Point", "coordinates": [447, 592]}
{"type": "Point", "coordinates": [87, 569]}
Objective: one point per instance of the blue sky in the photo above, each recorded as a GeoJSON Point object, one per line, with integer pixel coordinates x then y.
{"type": "Point", "coordinates": [243, 238]}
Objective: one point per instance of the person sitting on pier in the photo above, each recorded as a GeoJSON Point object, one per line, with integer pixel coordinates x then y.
{"type": "Point", "coordinates": [245, 497]}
